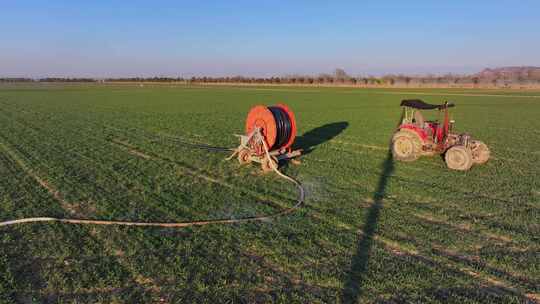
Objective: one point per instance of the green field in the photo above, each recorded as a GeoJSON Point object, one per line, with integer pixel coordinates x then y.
{"type": "Point", "coordinates": [371, 230]}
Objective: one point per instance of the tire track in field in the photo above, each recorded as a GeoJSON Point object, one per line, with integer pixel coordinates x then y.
{"type": "Point", "coordinates": [497, 284]}
{"type": "Point", "coordinates": [151, 137]}
{"type": "Point", "coordinates": [402, 179]}
{"type": "Point", "coordinates": [475, 261]}
{"type": "Point", "coordinates": [131, 152]}
{"type": "Point", "coordinates": [195, 172]}
{"type": "Point", "coordinates": [143, 282]}
{"type": "Point", "coordinates": [451, 257]}
{"type": "Point", "coordinates": [71, 208]}
{"type": "Point", "coordinates": [346, 142]}
{"type": "Point", "coordinates": [293, 279]}
{"type": "Point", "coordinates": [25, 125]}
{"type": "Point", "coordinates": [450, 261]}
{"type": "Point", "coordinates": [466, 227]}
{"type": "Point", "coordinates": [351, 140]}
{"type": "Point", "coordinates": [463, 226]}
{"type": "Point", "coordinates": [42, 182]}
{"type": "Point", "coordinates": [447, 263]}
{"type": "Point", "coordinates": [77, 154]}
{"type": "Point", "coordinates": [385, 149]}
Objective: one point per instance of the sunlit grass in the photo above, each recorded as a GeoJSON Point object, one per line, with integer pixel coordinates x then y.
{"type": "Point", "coordinates": [371, 229]}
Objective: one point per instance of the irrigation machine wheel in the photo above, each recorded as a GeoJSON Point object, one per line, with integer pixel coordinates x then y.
{"type": "Point", "coordinates": [459, 158]}
{"type": "Point", "coordinates": [480, 152]}
{"type": "Point", "coordinates": [268, 164]}
{"type": "Point", "coordinates": [406, 146]}
{"type": "Point", "coordinates": [244, 157]}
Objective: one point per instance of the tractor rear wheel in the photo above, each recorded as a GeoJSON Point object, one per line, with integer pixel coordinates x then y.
{"type": "Point", "coordinates": [459, 158]}
{"type": "Point", "coordinates": [406, 146]}
{"type": "Point", "coordinates": [480, 152]}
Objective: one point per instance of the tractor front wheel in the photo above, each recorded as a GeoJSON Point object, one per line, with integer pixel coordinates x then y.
{"type": "Point", "coordinates": [406, 146]}
{"type": "Point", "coordinates": [480, 152]}
{"type": "Point", "coordinates": [459, 158]}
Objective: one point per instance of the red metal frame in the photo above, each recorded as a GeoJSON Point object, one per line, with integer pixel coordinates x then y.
{"type": "Point", "coordinates": [439, 132]}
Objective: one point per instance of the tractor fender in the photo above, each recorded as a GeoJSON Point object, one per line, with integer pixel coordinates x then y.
{"type": "Point", "coordinates": [421, 133]}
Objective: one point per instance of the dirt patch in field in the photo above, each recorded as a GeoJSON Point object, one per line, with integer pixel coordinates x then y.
{"type": "Point", "coordinates": [139, 154]}
{"type": "Point", "coordinates": [131, 149]}
{"type": "Point", "coordinates": [372, 147]}
{"type": "Point", "coordinates": [464, 227]}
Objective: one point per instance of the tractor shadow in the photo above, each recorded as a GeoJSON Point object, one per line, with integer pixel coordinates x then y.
{"type": "Point", "coordinates": [352, 290]}
{"type": "Point", "coordinates": [314, 137]}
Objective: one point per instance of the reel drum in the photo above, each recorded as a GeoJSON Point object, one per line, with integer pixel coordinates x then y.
{"type": "Point", "coordinates": [277, 125]}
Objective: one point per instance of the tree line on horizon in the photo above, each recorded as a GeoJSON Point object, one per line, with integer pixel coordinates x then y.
{"type": "Point", "coordinates": [495, 77]}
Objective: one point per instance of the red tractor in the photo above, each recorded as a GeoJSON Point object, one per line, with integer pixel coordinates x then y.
{"type": "Point", "coordinates": [416, 136]}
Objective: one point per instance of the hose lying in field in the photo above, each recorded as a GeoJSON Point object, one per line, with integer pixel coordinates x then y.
{"type": "Point", "coordinates": [300, 201]}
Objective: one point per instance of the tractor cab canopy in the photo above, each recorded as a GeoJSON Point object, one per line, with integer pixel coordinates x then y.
{"type": "Point", "coordinates": [421, 105]}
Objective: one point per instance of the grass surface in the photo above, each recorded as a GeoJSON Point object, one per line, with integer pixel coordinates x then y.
{"type": "Point", "coordinates": [372, 230]}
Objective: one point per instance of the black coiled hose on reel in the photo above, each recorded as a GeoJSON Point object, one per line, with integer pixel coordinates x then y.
{"type": "Point", "coordinates": [283, 125]}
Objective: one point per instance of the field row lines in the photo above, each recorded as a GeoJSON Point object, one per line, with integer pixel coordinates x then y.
{"type": "Point", "coordinates": [137, 152]}
{"type": "Point", "coordinates": [349, 140]}
{"type": "Point", "coordinates": [97, 164]}
{"type": "Point", "coordinates": [207, 178]}
{"type": "Point", "coordinates": [144, 282]}
{"type": "Point", "coordinates": [147, 283]}
{"type": "Point", "coordinates": [492, 235]}
{"type": "Point", "coordinates": [380, 148]}
{"type": "Point", "coordinates": [43, 183]}
{"type": "Point", "coordinates": [386, 149]}
{"type": "Point", "coordinates": [141, 154]}
{"type": "Point", "coordinates": [447, 260]}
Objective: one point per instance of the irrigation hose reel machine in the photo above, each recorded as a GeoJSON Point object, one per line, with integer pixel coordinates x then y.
{"type": "Point", "coordinates": [270, 133]}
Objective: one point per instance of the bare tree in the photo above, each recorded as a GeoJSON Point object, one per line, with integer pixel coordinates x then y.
{"type": "Point", "coordinates": [340, 75]}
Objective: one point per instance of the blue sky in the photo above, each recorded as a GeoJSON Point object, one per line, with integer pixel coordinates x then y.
{"type": "Point", "coordinates": [263, 38]}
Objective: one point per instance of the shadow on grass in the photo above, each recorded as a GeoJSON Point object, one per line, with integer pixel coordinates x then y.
{"type": "Point", "coordinates": [474, 293]}
{"type": "Point", "coordinates": [314, 137]}
{"type": "Point", "coordinates": [356, 275]}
